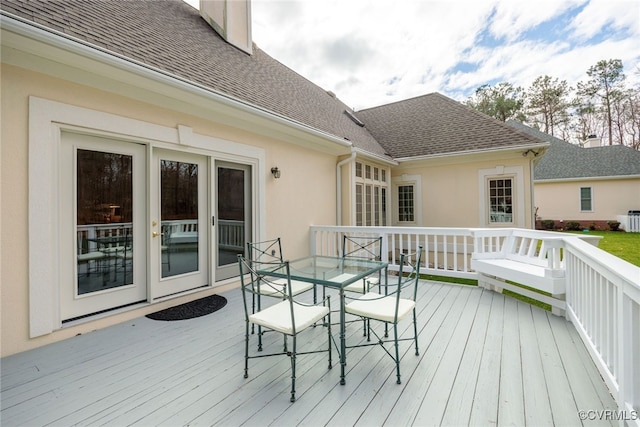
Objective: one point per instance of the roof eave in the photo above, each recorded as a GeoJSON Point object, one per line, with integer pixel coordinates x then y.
{"type": "Point", "coordinates": [585, 178]}
{"type": "Point", "coordinates": [371, 156]}
{"type": "Point", "coordinates": [516, 148]}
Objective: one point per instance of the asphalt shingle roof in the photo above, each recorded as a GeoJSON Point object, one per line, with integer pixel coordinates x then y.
{"type": "Point", "coordinates": [564, 160]}
{"type": "Point", "coordinates": [170, 35]}
{"type": "Point", "coordinates": [434, 124]}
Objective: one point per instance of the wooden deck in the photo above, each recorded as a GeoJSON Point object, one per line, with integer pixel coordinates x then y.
{"type": "Point", "coordinates": [485, 359]}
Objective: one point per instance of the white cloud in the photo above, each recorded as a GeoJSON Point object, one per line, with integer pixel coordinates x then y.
{"type": "Point", "coordinates": [371, 52]}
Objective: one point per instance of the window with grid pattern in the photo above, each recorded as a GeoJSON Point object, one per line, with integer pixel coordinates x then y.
{"type": "Point", "coordinates": [406, 206]}
{"type": "Point", "coordinates": [371, 195]}
{"type": "Point", "coordinates": [501, 200]}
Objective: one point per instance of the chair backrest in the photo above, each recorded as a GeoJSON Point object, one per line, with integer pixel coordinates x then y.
{"type": "Point", "coordinates": [409, 272]}
{"type": "Point", "coordinates": [267, 251]}
{"type": "Point", "coordinates": [363, 247]}
{"type": "Point", "coordinates": [255, 274]}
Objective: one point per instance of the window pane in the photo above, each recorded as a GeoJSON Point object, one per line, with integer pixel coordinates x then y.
{"type": "Point", "coordinates": [585, 199]}
{"type": "Point", "coordinates": [179, 216]}
{"type": "Point", "coordinates": [368, 205]}
{"type": "Point", "coordinates": [384, 175]}
{"type": "Point", "coordinates": [359, 170]}
{"type": "Point", "coordinates": [104, 220]}
{"type": "Point", "coordinates": [358, 204]}
{"type": "Point", "coordinates": [500, 200]}
{"type": "Point", "coordinates": [375, 173]}
{"type": "Point", "coordinates": [405, 203]}
{"type": "Point", "coordinates": [376, 205]}
{"type": "Point", "coordinates": [367, 171]}
{"type": "Point", "coordinates": [384, 206]}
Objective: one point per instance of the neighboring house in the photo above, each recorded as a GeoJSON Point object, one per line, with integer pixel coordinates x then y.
{"type": "Point", "coordinates": [590, 185]}
{"type": "Point", "coordinates": [141, 150]}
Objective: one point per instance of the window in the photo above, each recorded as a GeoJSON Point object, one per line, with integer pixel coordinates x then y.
{"type": "Point", "coordinates": [359, 204]}
{"type": "Point", "coordinates": [501, 200]}
{"type": "Point", "coordinates": [406, 207]}
{"type": "Point", "coordinates": [370, 209]}
{"type": "Point", "coordinates": [586, 199]}
{"type": "Point", "coordinates": [383, 205]}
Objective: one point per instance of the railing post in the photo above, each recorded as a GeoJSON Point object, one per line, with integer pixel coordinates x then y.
{"type": "Point", "coordinates": [312, 240]}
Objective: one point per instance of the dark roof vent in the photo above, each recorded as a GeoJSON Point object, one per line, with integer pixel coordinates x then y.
{"type": "Point", "coordinates": [354, 118]}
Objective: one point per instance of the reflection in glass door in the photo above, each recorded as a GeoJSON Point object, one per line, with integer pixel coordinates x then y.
{"type": "Point", "coordinates": [233, 224]}
{"type": "Point", "coordinates": [179, 224]}
{"type": "Point", "coordinates": [104, 220]}
{"type": "Point", "coordinates": [179, 217]}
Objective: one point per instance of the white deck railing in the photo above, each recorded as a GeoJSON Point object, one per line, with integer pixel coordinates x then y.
{"type": "Point", "coordinates": [603, 293]}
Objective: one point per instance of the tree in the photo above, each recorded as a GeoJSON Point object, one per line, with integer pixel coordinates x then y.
{"type": "Point", "coordinates": [631, 118]}
{"type": "Point", "coordinates": [503, 101]}
{"type": "Point", "coordinates": [605, 87]}
{"type": "Point", "coordinates": [547, 103]}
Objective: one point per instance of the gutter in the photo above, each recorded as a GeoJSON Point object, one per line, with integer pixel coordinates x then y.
{"type": "Point", "coordinates": [585, 178]}
{"type": "Point", "coordinates": [471, 152]}
{"type": "Point", "coordinates": [341, 163]}
{"type": "Point", "coordinates": [42, 34]}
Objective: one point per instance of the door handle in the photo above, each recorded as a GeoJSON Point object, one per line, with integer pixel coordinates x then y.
{"type": "Point", "coordinates": [154, 234]}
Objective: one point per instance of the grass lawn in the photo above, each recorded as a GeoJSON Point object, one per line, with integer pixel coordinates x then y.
{"type": "Point", "coordinates": [623, 245]}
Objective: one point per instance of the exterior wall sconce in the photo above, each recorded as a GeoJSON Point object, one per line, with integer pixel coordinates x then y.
{"type": "Point", "coordinates": [276, 172]}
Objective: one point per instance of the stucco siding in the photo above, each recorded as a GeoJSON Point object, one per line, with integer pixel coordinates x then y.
{"type": "Point", "coordinates": [450, 195]}
{"type": "Point", "coordinates": [561, 200]}
{"type": "Point", "coordinates": [303, 195]}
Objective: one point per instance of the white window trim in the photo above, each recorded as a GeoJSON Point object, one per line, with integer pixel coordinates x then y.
{"type": "Point", "coordinates": [590, 199]}
{"type": "Point", "coordinates": [46, 121]}
{"type": "Point", "coordinates": [416, 181]}
{"type": "Point", "coordinates": [384, 210]}
{"type": "Point", "coordinates": [515, 172]}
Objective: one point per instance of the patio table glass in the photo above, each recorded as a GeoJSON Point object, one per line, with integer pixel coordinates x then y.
{"type": "Point", "coordinates": [333, 272]}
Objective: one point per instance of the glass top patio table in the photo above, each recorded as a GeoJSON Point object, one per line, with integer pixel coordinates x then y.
{"type": "Point", "coordinates": [335, 272]}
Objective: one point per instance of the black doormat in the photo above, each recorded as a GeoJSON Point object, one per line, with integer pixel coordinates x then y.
{"type": "Point", "coordinates": [190, 310]}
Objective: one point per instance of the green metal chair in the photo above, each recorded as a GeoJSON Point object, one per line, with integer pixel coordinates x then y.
{"type": "Point", "coordinates": [289, 317]}
{"type": "Point", "coordinates": [270, 251]}
{"type": "Point", "coordinates": [363, 247]}
{"type": "Point", "coordinates": [395, 304]}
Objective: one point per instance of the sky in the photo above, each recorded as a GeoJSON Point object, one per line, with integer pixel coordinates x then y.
{"type": "Point", "coordinates": [374, 52]}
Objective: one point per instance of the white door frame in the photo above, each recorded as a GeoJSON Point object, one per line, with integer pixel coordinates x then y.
{"type": "Point", "coordinates": [72, 304]}
{"type": "Point", "coordinates": [47, 119]}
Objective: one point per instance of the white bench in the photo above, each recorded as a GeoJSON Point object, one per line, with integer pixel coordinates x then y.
{"type": "Point", "coordinates": [526, 257]}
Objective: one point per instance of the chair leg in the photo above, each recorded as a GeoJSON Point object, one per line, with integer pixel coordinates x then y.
{"type": "Point", "coordinates": [395, 337]}
{"type": "Point", "coordinates": [259, 338]}
{"type": "Point", "coordinates": [246, 351]}
{"type": "Point", "coordinates": [415, 332]}
{"type": "Point", "coordinates": [329, 337]}
{"type": "Point", "coordinates": [253, 310]}
{"type": "Point", "coordinates": [293, 371]}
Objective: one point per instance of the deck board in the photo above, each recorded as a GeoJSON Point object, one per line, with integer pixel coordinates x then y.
{"type": "Point", "coordinates": [485, 359]}
{"type": "Point", "coordinates": [484, 407]}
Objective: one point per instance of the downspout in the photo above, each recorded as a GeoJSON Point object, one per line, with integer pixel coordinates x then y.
{"type": "Point", "coordinates": [532, 191]}
{"type": "Point", "coordinates": [339, 185]}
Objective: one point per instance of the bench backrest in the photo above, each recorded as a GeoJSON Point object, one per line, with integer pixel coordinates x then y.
{"type": "Point", "coordinates": [519, 245]}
